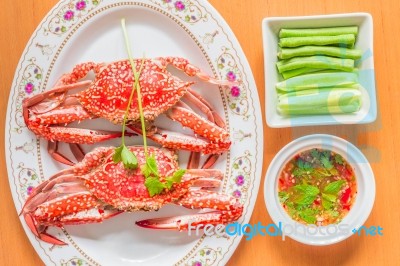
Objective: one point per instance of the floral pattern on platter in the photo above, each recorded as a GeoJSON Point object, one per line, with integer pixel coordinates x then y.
{"type": "Point", "coordinates": [240, 177]}
{"type": "Point", "coordinates": [185, 10]}
{"type": "Point", "coordinates": [205, 257]}
{"type": "Point", "coordinates": [240, 135]}
{"type": "Point", "coordinates": [69, 14]}
{"type": "Point", "coordinates": [27, 147]}
{"type": "Point", "coordinates": [208, 38]}
{"type": "Point", "coordinates": [74, 262]}
{"type": "Point", "coordinates": [30, 83]}
{"type": "Point", "coordinates": [27, 179]}
{"type": "Point", "coordinates": [46, 49]}
{"type": "Point", "coordinates": [236, 95]}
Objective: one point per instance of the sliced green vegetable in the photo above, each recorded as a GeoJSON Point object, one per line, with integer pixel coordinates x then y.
{"type": "Point", "coordinates": [342, 52]}
{"type": "Point", "coordinates": [324, 101]}
{"type": "Point", "coordinates": [318, 80]}
{"type": "Point", "coordinates": [283, 33]}
{"type": "Point", "coordinates": [345, 39]}
{"type": "Point", "coordinates": [303, 70]}
{"type": "Point", "coordinates": [316, 61]}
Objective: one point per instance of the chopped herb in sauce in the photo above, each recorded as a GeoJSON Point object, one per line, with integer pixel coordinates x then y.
{"type": "Point", "coordinates": [318, 187]}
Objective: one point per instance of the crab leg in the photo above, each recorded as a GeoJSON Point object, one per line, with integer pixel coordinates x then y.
{"type": "Point", "coordinates": [226, 209]}
{"type": "Point", "coordinates": [194, 160]}
{"type": "Point", "coordinates": [219, 138]}
{"type": "Point", "coordinates": [199, 125]}
{"type": "Point", "coordinates": [191, 70]}
{"type": "Point", "coordinates": [44, 125]}
{"type": "Point", "coordinates": [178, 141]}
{"type": "Point", "coordinates": [64, 200]}
{"type": "Point", "coordinates": [48, 100]}
{"type": "Point", "coordinates": [77, 151]}
{"type": "Point", "coordinates": [78, 72]}
{"type": "Point", "coordinates": [196, 99]}
{"type": "Point", "coordinates": [52, 149]}
{"type": "Point", "coordinates": [77, 135]}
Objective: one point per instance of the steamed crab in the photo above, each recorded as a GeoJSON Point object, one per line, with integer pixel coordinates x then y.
{"type": "Point", "coordinates": [96, 189]}
{"type": "Point", "coordinates": [107, 97]}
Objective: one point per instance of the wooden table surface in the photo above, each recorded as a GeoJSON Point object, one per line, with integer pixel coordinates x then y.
{"type": "Point", "coordinates": [18, 20]}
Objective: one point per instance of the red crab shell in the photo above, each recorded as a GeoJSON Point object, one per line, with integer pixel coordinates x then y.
{"type": "Point", "coordinates": [108, 96]}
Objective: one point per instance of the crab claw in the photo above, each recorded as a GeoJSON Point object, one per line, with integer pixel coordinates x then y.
{"type": "Point", "coordinates": [30, 221]}
{"type": "Point", "coordinates": [226, 209]}
{"type": "Point", "coordinates": [183, 222]}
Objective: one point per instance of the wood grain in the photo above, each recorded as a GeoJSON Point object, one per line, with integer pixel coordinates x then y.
{"type": "Point", "coordinates": [19, 19]}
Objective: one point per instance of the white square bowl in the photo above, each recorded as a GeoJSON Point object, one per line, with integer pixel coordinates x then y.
{"type": "Point", "coordinates": [364, 41]}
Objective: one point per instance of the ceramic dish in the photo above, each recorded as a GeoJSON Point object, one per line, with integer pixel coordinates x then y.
{"type": "Point", "coordinates": [358, 213]}
{"type": "Point", "coordinates": [270, 30]}
{"type": "Point", "coordinates": [79, 31]}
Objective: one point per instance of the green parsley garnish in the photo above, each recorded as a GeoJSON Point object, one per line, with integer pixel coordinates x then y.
{"type": "Point", "coordinates": [122, 153]}
{"type": "Point", "coordinates": [339, 159]}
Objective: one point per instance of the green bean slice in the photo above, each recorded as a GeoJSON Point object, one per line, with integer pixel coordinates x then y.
{"type": "Point", "coordinates": [283, 33]}
{"type": "Point", "coordinates": [300, 71]}
{"type": "Point", "coordinates": [346, 39]}
{"type": "Point", "coordinates": [317, 81]}
{"type": "Point", "coordinates": [321, 62]}
{"type": "Point", "coordinates": [317, 102]}
{"type": "Point", "coordinates": [342, 52]}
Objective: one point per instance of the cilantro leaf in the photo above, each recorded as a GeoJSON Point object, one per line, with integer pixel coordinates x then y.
{"type": "Point", "coordinates": [150, 167]}
{"type": "Point", "coordinates": [339, 159]}
{"type": "Point", "coordinates": [128, 158]}
{"type": "Point", "coordinates": [154, 186]}
{"type": "Point", "coordinates": [334, 187]}
{"type": "Point", "coordinates": [306, 166]}
{"type": "Point", "coordinates": [326, 160]}
{"type": "Point", "coordinates": [117, 154]}
{"type": "Point", "coordinates": [122, 153]}
{"type": "Point", "coordinates": [175, 178]}
{"type": "Point", "coordinates": [179, 174]}
{"type": "Point", "coordinates": [315, 154]}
